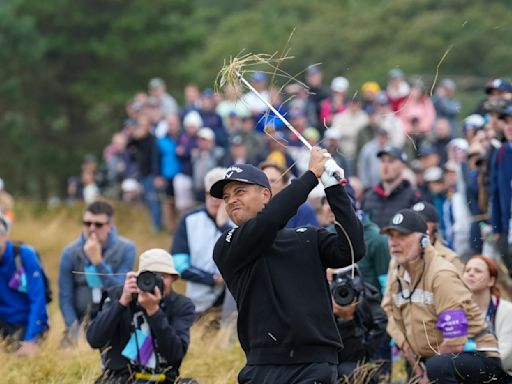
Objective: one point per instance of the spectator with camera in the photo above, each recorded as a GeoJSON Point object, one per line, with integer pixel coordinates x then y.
{"type": "Point", "coordinates": [23, 316]}
{"type": "Point", "coordinates": [95, 261]}
{"type": "Point", "coordinates": [143, 329]}
{"type": "Point", "coordinates": [432, 315]}
{"type": "Point", "coordinates": [277, 275]}
{"type": "Point", "coordinates": [359, 317]}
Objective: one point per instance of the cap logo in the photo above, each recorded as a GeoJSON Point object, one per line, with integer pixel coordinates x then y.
{"type": "Point", "coordinates": [231, 170]}
{"type": "Point", "coordinates": [418, 207]}
{"type": "Point", "coordinates": [397, 219]}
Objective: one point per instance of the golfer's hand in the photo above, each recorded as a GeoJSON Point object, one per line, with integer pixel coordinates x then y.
{"type": "Point", "coordinates": [317, 159]}
{"type": "Point", "coordinates": [331, 169]}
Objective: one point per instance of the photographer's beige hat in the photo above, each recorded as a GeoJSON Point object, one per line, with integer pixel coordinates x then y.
{"type": "Point", "coordinates": [157, 260]}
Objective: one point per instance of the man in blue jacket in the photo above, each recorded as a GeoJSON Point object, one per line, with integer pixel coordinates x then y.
{"type": "Point", "coordinates": [501, 189]}
{"type": "Point", "coordinates": [97, 260]}
{"type": "Point", "coordinates": [23, 316]}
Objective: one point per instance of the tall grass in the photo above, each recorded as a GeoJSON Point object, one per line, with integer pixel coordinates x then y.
{"type": "Point", "coordinates": [214, 357]}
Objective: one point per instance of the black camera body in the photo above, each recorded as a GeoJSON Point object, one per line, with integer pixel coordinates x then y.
{"type": "Point", "coordinates": [147, 281]}
{"type": "Point", "coordinates": [345, 289]}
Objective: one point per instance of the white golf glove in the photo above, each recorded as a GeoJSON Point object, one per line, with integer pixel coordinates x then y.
{"type": "Point", "coordinates": [331, 168]}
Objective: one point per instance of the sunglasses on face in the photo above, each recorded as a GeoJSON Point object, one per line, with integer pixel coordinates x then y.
{"type": "Point", "coordinates": [97, 224]}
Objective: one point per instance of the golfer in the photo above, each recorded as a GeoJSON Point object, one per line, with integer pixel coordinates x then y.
{"type": "Point", "coordinates": [277, 275]}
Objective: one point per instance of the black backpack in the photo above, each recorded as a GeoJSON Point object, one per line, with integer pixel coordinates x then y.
{"type": "Point", "coordinates": [18, 263]}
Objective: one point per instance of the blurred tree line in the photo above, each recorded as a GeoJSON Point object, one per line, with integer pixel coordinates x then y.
{"type": "Point", "coordinates": [69, 66]}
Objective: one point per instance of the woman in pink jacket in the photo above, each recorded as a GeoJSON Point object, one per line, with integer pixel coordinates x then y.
{"type": "Point", "coordinates": [417, 112]}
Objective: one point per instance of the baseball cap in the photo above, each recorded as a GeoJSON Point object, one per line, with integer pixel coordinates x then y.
{"type": "Point", "coordinates": [499, 84]}
{"type": "Point", "coordinates": [448, 83]}
{"type": "Point", "coordinates": [427, 149]}
{"type": "Point", "coordinates": [339, 84]}
{"type": "Point", "coordinates": [193, 118]}
{"type": "Point", "coordinates": [396, 73]}
{"type": "Point", "coordinates": [156, 82]}
{"type": "Point", "coordinates": [236, 140]}
{"type": "Point", "coordinates": [427, 211]}
{"type": "Point", "coordinates": [130, 185]}
{"type": "Point", "coordinates": [207, 92]}
{"type": "Point", "coordinates": [450, 166]}
{"type": "Point", "coordinates": [313, 69]}
{"type": "Point", "coordinates": [433, 174]}
{"type": "Point", "coordinates": [157, 260]}
{"type": "Point", "coordinates": [395, 152]}
{"type": "Point", "coordinates": [243, 173]}
{"type": "Point", "coordinates": [459, 143]}
{"type": "Point", "coordinates": [213, 176]}
{"type": "Point", "coordinates": [332, 133]}
{"type": "Point", "coordinates": [406, 221]}
{"type": "Point", "coordinates": [259, 76]}
{"type": "Point", "coordinates": [474, 121]}
{"type": "Point", "coordinates": [371, 86]}
{"type": "Point", "coordinates": [206, 133]}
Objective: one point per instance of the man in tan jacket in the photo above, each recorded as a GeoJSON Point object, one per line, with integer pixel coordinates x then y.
{"type": "Point", "coordinates": [432, 315]}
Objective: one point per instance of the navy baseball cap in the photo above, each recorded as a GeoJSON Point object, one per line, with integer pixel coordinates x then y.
{"type": "Point", "coordinates": [499, 84]}
{"type": "Point", "coordinates": [427, 211]}
{"type": "Point", "coordinates": [243, 173]}
{"type": "Point", "coordinates": [259, 76]}
{"type": "Point", "coordinates": [395, 152]}
{"type": "Point", "coordinates": [426, 150]}
{"type": "Point", "coordinates": [313, 69]}
{"type": "Point", "coordinates": [406, 221]}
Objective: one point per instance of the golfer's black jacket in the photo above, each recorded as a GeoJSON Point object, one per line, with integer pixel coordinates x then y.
{"type": "Point", "coordinates": [277, 277]}
{"type": "Point", "coordinates": [111, 329]}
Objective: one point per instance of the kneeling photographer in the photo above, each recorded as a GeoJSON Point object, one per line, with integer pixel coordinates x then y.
{"type": "Point", "coordinates": [143, 327]}
{"type": "Point", "coordinates": [360, 319]}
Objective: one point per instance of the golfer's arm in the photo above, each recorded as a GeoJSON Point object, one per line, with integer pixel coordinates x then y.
{"type": "Point", "coordinates": [244, 244]}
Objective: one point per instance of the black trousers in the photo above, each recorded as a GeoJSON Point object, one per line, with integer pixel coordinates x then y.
{"type": "Point", "coordinates": [465, 367]}
{"type": "Point", "coordinates": [315, 373]}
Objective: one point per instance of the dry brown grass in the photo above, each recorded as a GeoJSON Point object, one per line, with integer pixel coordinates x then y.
{"type": "Point", "coordinates": [213, 357]}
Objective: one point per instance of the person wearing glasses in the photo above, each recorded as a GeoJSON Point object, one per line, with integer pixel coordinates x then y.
{"type": "Point", "coordinates": [97, 260]}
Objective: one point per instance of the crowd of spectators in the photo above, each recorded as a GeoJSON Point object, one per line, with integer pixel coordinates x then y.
{"type": "Point", "coordinates": [399, 146]}
{"type": "Point", "coordinates": [163, 151]}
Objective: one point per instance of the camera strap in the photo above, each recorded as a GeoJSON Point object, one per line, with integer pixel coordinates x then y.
{"type": "Point", "coordinates": [144, 341]}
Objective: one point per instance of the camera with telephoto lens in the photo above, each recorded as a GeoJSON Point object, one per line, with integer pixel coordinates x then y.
{"type": "Point", "coordinates": [147, 281]}
{"type": "Point", "coordinates": [345, 289]}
